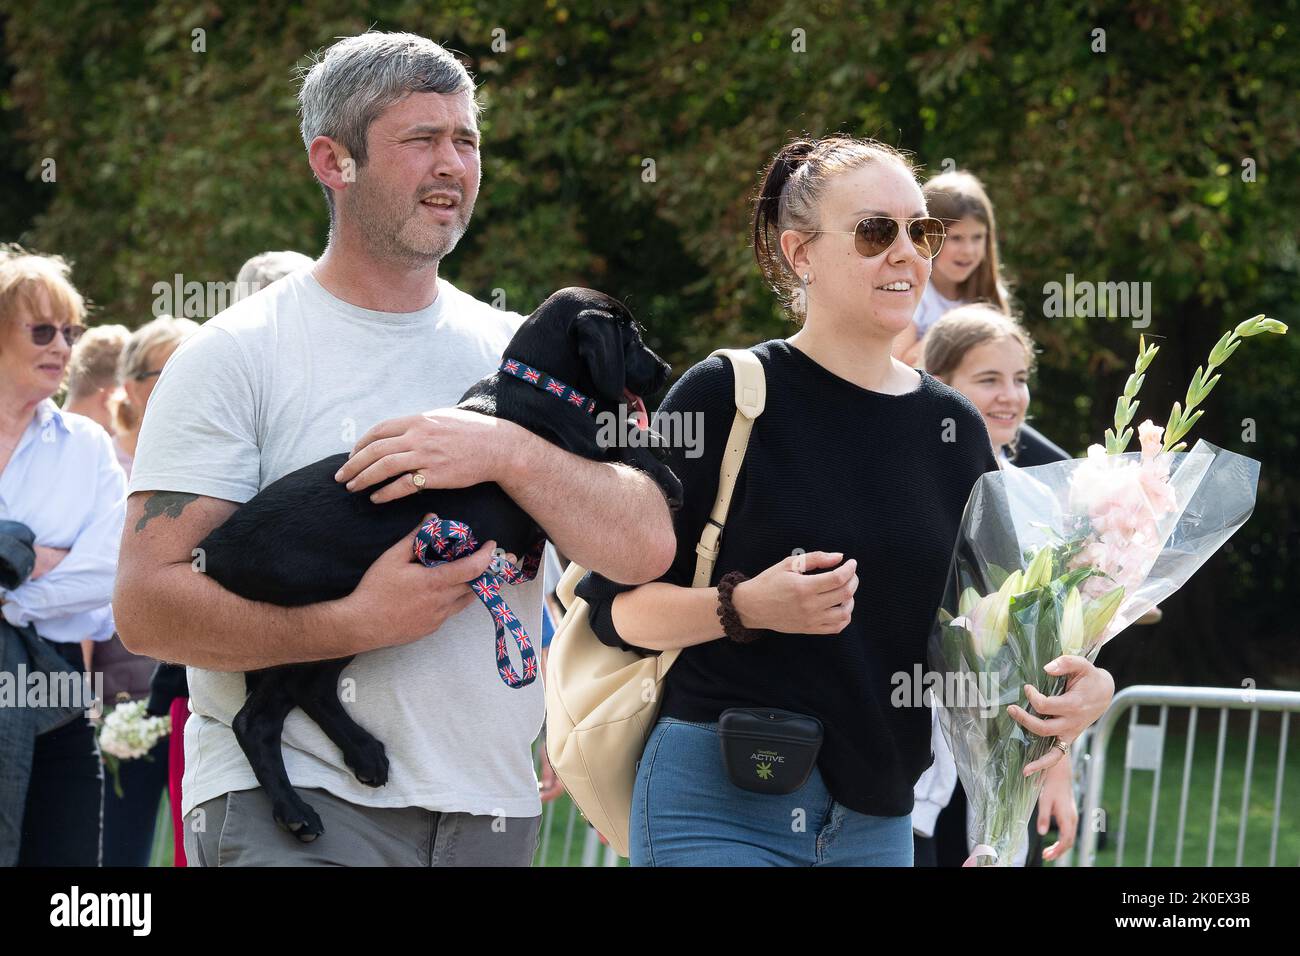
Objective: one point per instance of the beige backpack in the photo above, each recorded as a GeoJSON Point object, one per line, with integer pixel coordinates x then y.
{"type": "Point", "coordinates": [601, 702]}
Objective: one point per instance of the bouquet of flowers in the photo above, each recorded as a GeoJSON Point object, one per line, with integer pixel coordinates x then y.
{"type": "Point", "coordinates": [128, 733]}
{"type": "Point", "coordinates": [1058, 559]}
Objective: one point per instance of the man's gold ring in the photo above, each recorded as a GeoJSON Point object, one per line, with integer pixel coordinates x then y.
{"type": "Point", "coordinates": [417, 479]}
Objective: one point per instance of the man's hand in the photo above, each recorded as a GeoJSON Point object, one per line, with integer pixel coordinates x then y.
{"type": "Point", "coordinates": [449, 447]}
{"type": "Point", "coordinates": [399, 600]}
{"type": "Point", "coordinates": [607, 516]}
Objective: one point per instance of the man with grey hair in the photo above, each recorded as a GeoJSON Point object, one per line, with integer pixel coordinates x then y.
{"type": "Point", "coordinates": [265, 267]}
{"type": "Point", "coordinates": [296, 372]}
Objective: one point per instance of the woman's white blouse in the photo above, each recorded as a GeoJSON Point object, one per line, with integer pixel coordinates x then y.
{"type": "Point", "coordinates": [63, 481]}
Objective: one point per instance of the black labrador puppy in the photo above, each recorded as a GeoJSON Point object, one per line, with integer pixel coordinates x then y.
{"type": "Point", "coordinates": [305, 538]}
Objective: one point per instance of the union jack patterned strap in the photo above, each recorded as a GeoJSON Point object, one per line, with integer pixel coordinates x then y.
{"type": "Point", "coordinates": [439, 541]}
{"type": "Point", "coordinates": [548, 383]}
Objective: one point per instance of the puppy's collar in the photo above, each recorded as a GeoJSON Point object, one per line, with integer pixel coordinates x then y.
{"type": "Point", "coordinates": [547, 383]}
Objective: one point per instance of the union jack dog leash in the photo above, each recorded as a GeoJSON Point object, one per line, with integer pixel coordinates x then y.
{"type": "Point", "coordinates": [440, 540]}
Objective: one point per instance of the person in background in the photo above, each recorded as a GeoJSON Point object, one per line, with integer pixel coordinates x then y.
{"type": "Point", "coordinates": [58, 478]}
{"type": "Point", "coordinates": [92, 390]}
{"type": "Point", "coordinates": [967, 269]}
{"type": "Point", "coordinates": [92, 374]}
{"type": "Point", "coordinates": [987, 356]}
{"type": "Point", "coordinates": [265, 267]}
{"type": "Point", "coordinates": [141, 362]}
{"type": "Point", "coordinates": [129, 819]}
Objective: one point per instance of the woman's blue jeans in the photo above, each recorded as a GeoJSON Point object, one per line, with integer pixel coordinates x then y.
{"type": "Point", "coordinates": [687, 812]}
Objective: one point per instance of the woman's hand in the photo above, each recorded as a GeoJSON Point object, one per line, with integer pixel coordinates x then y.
{"type": "Point", "coordinates": [47, 559]}
{"type": "Point", "coordinates": [1057, 800]}
{"type": "Point", "coordinates": [1088, 693]}
{"type": "Point", "coordinates": [790, 599]}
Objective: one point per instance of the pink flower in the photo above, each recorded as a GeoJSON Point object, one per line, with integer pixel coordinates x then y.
{"type": "Point", "coordinates": [1125, 502]}
{"type": "Point", "coordinates": [1151, 436]}
{"type": "Point", "coordinates": [1154, 482]}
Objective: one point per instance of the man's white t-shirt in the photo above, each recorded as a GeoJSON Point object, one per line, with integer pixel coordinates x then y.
{"type": "Point", "coordinates": [283, 378]}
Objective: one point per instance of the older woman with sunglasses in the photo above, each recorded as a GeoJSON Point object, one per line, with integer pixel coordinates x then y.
{"type": "Point", "coordinates": [836, 546]}
{"type": "Point", "coordinates": [63, 495]}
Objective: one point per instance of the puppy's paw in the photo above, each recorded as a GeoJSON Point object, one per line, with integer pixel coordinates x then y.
{"type": "Point", "coordinates": [296, 816]}
{"type": "Point", "coordinates": [369, 762]}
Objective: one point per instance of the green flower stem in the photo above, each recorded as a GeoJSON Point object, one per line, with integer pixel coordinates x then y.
{"type": "Point", "coordinates": [1182, 418]}
{"type": "Point", "coordinates": [1126, 407]}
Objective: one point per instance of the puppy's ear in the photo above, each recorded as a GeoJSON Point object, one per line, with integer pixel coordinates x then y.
{"type": "Point", "coordinates": [600, 344]}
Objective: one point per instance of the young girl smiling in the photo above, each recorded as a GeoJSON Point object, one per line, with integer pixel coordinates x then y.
{"type": "Point", "coordinates": [967, 268]}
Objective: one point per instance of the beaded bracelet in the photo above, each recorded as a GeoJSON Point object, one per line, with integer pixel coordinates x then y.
{"type": "Point", "coordinates": [731, 625]}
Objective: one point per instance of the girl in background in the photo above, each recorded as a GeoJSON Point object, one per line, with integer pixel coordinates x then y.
{"type": "Point", "coordinates": [967, 267]}
{"type": "Point", "coordinates": [967, 270]}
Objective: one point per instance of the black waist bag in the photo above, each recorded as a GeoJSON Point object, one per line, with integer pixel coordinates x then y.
{"type": "Point", "coordinates": [767, 750]}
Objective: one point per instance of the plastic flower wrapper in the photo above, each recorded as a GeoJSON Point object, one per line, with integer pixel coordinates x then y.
{"type": "Point", "coordinates": [1058, 559]}
{"type": "Point", "coordinates": [128, 733]}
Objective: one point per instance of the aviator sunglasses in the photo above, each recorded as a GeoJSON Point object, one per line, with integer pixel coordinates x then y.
{"type": "Point", "coordinates": [875, 234]}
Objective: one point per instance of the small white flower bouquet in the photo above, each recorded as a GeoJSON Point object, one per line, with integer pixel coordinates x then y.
{"type": "Point", "coordinates": [128, 733]}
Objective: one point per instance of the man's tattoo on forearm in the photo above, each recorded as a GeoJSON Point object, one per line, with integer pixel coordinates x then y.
{"type": "Point", "coordinates": [169, 503]}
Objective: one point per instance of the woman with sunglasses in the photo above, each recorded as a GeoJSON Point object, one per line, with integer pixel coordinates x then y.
{"type": "Point", "coordinates": [836, 548]}
{"type": "Point", "coordinates": [60, 482]}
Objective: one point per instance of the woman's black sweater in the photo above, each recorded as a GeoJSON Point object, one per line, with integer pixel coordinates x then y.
{"type": "Point", "coordinates": [830, 467]}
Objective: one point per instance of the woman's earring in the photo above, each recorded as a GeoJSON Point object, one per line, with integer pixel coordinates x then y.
{"type": "Point", "coordinates": [807, 280]}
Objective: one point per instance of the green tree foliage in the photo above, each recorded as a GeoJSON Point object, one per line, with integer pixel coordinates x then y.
{"type": "Point", "coordinates": [621, 150]}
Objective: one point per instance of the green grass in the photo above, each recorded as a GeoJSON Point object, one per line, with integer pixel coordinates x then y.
{"type": "Point", "coordinates": [1200, 796]}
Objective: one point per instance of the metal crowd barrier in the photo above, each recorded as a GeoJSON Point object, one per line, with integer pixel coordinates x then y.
{"type": "Point", "coordinates": [1144, 751]}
